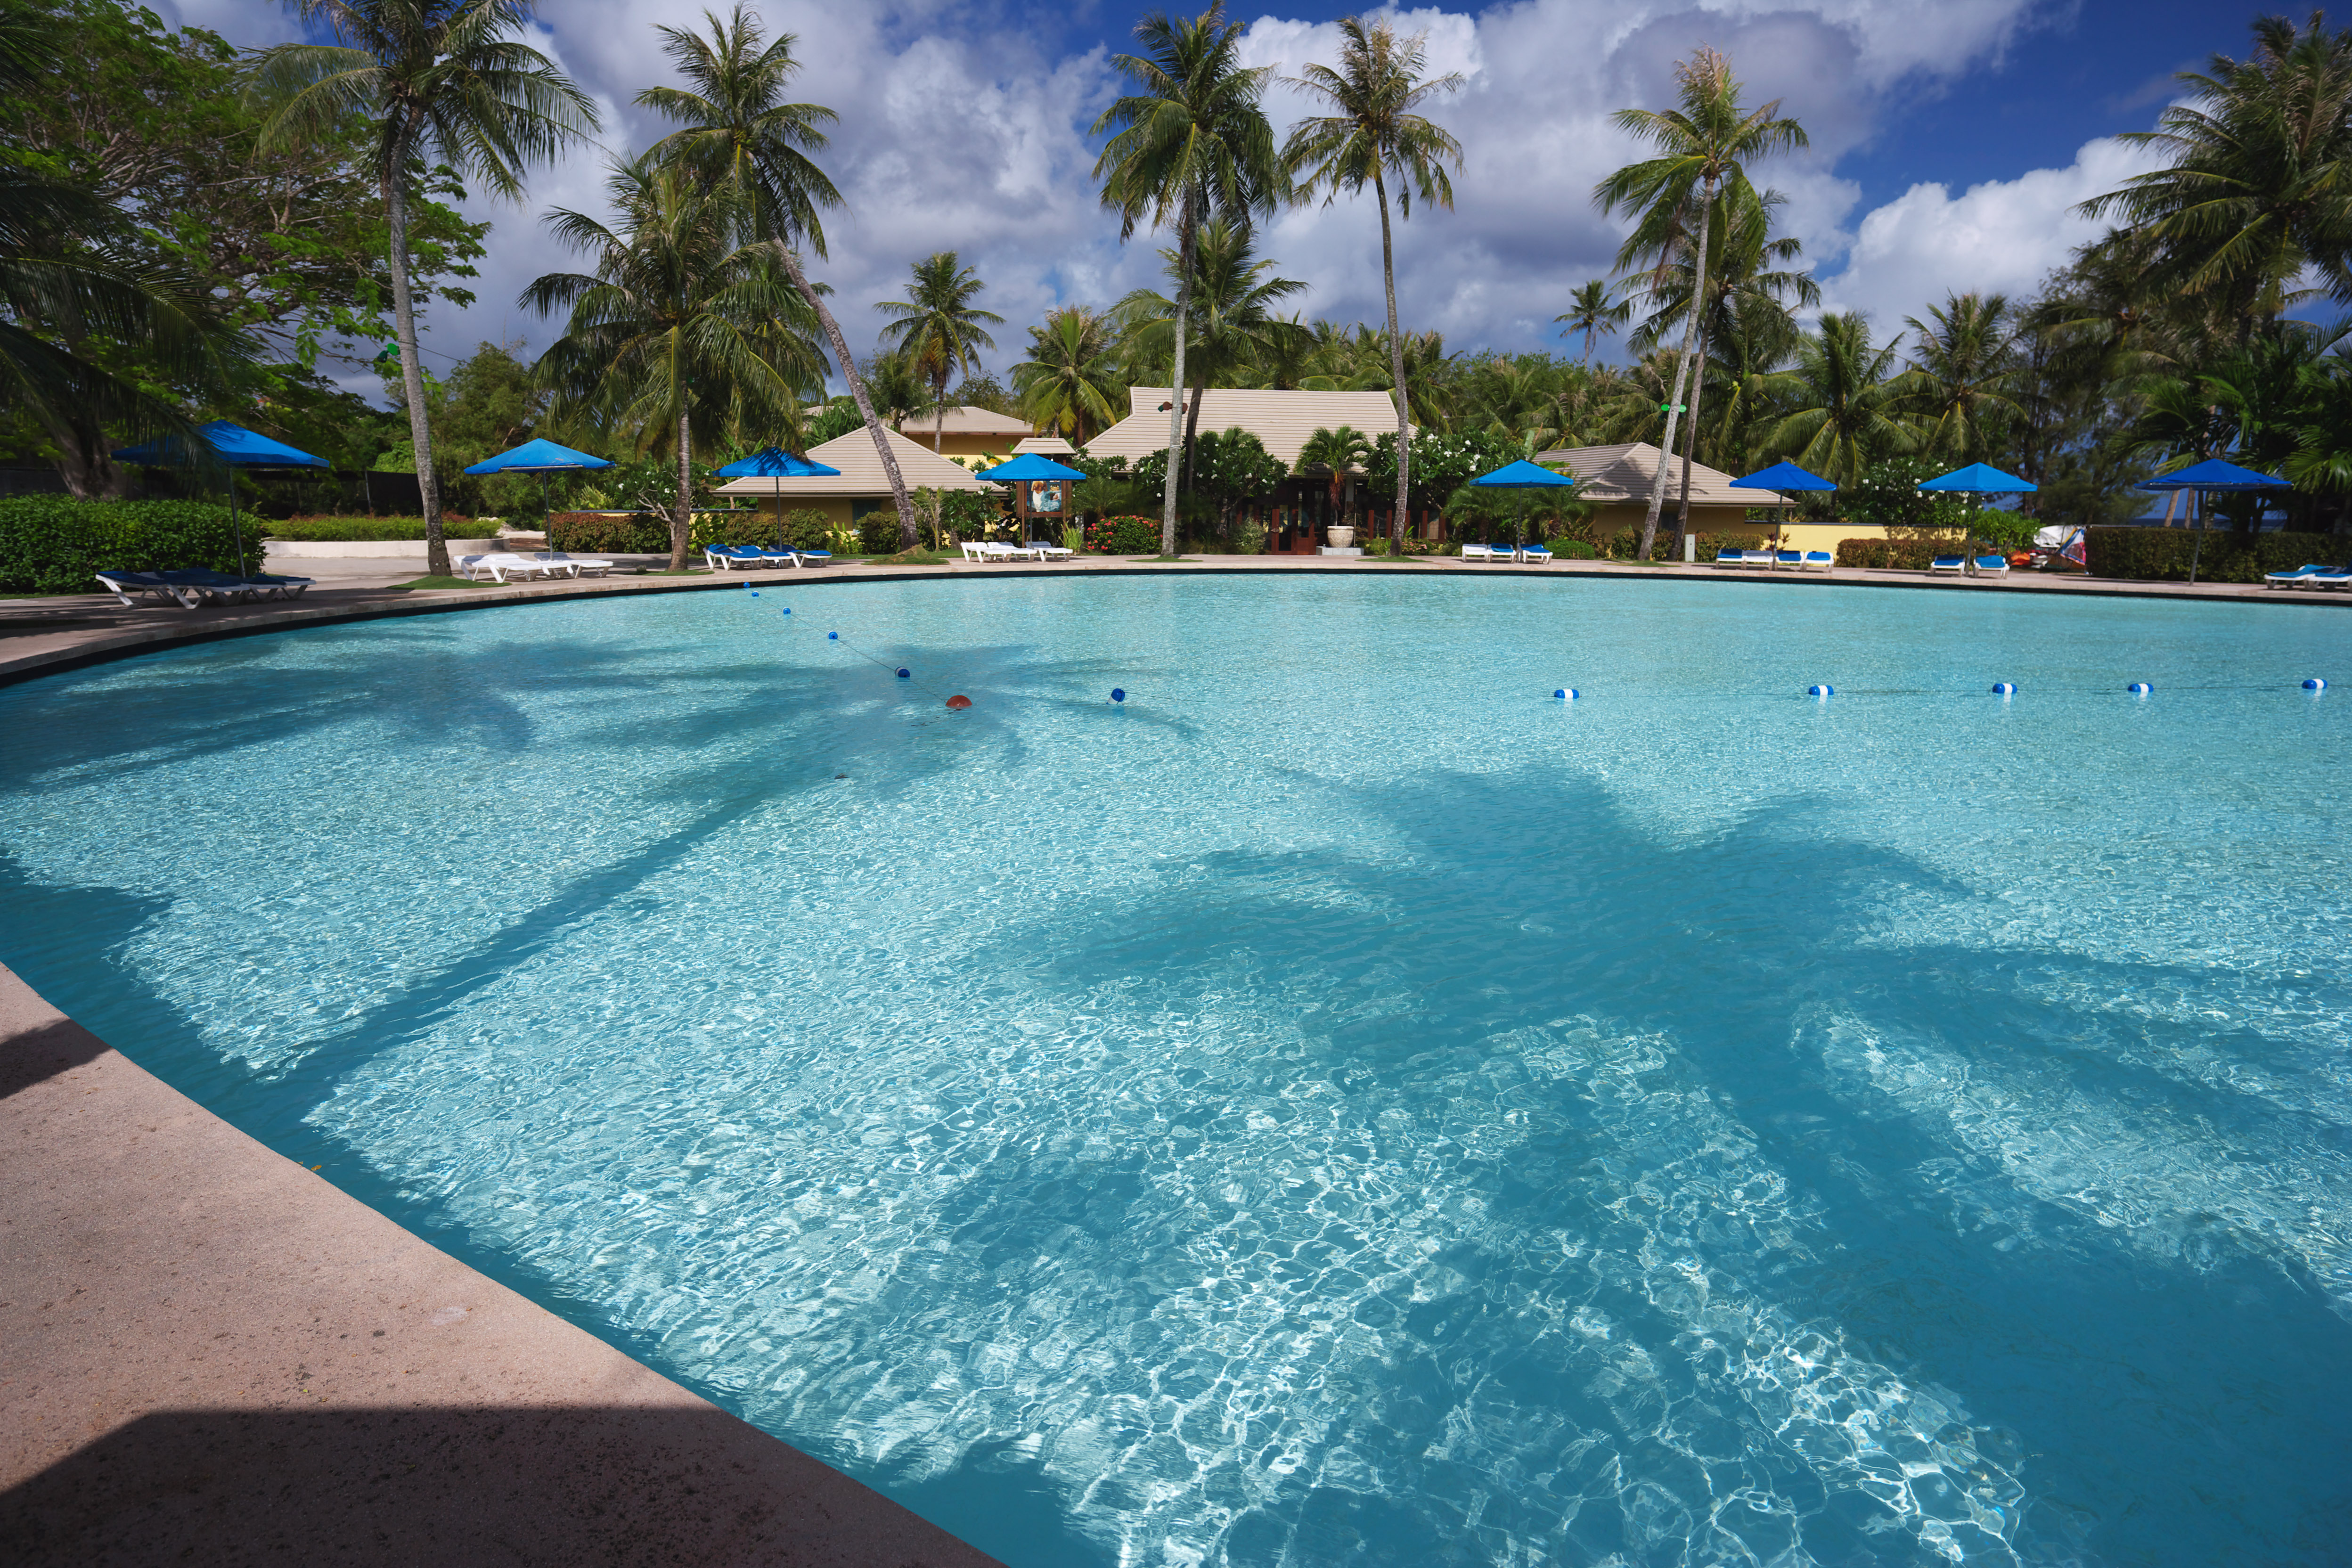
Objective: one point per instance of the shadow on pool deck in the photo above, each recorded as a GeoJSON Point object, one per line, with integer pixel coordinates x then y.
{"type": "Point", "coordinates": [214, 1356]}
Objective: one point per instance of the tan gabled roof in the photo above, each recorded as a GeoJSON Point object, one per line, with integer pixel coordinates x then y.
{"type": "Point", "coordinates": [964, 419]}
{"type": "Point", "coordinates": [861, 470]}
{"type": "Point", "coordinates": [1282, 420]}
{"type": "Point", "coordinates": [1049, 445]}
{"type": "Point", "coordinates": [1625, 473]}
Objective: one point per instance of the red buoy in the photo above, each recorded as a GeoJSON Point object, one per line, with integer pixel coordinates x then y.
{"type": "Point", "coordinates": [958, 701]}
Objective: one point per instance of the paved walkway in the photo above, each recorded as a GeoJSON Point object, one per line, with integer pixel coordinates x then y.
{"type": "Point", "coordinates": [42, 635]}
{"type": "Point", "coordinates": [209, 1355]}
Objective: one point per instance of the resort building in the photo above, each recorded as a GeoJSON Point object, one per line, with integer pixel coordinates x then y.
{"type": "Point", "coordinates": [969, 435]}
{"type": "Point", "coordinates": [1617, 481]}
{"type": "Point", "coordinates": [862, 486]}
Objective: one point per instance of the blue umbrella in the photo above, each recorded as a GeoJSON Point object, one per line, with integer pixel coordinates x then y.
{"type": "Point", "coordinates": [540, 457]}
{"type": "Point", "coordinates": [1029, 469]}
{"type": "Point", "coordinates": [232, 446]}
{"type": "Point", "coordinates": [1783, 477]}
{"type": "Point", "coordinates": [1523, 475]}
{"type": "Point", "coordinates": [2204, 478]}
{"type": "Point", "coordinates": [776, 463]}
{"type": "Point", "coordinates": [1978, 478]}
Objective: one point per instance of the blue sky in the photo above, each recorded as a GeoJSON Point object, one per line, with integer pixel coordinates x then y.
{"type": "Point", "coordinates": [1951, 141]}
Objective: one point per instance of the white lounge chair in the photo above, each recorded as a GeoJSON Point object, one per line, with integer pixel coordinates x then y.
{"type": "Point", "coordinates": [1044, 552]}
{"type": "Point", "coordinates": [1992, 565]}
{"type": "Point", "coordinates": [1765, 558]}
{"type": "Point", "coordinates": [503, 567]}
{"type": "Point", "coordinates": [722, 556]}
{"type": "Point", "coordinates": [2299, 577]}
{"type": "Point", "coordinates": [1534, 554]}
{"type": "Point", "coordinates": [1955, 565]}
{"type": "Point", "coordinates": [1820, 560]}
{"type": "Point", "coordinates": [575, 565]}
{"type": "Point", "coordinates": [1792, 559]}
{"type": "Point", "coordinates": [1731, 558]}
{"type": "Point", "coordinates": [1479, 553]}
{"type": "Point", "coordinates": [2333, 577]}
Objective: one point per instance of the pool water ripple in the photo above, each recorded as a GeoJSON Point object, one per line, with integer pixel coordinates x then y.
{"type": "Point", "coordinates": [1343, 1106]}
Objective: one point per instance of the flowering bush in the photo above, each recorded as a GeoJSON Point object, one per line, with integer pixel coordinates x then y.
{"type": "Point", "coordinates": [1123, 536]}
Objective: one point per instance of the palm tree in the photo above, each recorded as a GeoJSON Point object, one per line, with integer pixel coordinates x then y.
{"type": "Point", "coordinates": [1071, 376]}
{"type": "Point", "coordinates": [679, 316]}
{"type": "Point", "coordinates": [1592, 310]}
{"type": "Point", "coordinates": [938, 327]}
{"type": "Point", "coordinates": [2261, 165]}
{"type": "Point", "coordinates": [1960, 374]}
{"type": "Point", "coordinates": [1376, 132]}
{"type": "Point", "coordinates": [1233, 324]}
{"type": "Point", "coordinates": [1343, 452]}
{"type": "Point", "coordinates": [737, 127]}
{"type": "Point", "coordinates": [446, 82]}
{"type": "Point", "coordinates": [1191, 142]}
{"type": "Point", "coordinates": [1839, 405]}
{"type": "Point", "coordinates": [1703, 147]}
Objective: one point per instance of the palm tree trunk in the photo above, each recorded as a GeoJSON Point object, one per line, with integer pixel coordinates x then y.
{"type": "Point", "coordinates": [1396, 367]}
{"type": "Point", "coordinates": [1192, 429]}
{"type": "Point", "coordinates": [1682, 375]}
{"type": "Point", "coordinates": [681, 516]}
{"type": "Point", "coordinates": [412, 377]}
{"type": "Point", "coordinates": [939, 419]}
{"type": "Point", "coordinates": [1690, 439]}
{"type": "Point", "coordinates": [1176, 377]}
{"type": "Point", "coordinates": [907, 535]}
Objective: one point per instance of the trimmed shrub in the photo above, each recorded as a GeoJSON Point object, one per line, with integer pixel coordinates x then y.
{"type": "Point", "coordinates": [877, 532]}
{"type": "Point", "coordinates": [1572, 549]}
{"type": "Point", "coordinates": [1895, 554]}
{"type": "Point", "coordinates": [1124, 536]}
{"type": "Point", "coordinates": [1625, 544]}
{"type": "Point", "coordinates": [609, 533]}
{"type": "Point", "coordinates": [54, 544]}
{"type": "Point", "coordinates": [2162, 554]}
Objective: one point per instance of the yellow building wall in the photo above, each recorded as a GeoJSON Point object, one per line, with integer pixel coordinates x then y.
{"type": "Point", "coordinates": [836, 508]}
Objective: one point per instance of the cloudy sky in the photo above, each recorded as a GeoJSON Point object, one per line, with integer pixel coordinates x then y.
{"type": "Point", "coordinates": [1950, 138]}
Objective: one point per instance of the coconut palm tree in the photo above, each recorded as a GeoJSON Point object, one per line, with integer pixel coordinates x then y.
{"type": "Point", "coordinates": [445, 82]}
{"type": "Point", "coordinates": [1376, 132]}
{"type": "Point", "coordinates": [1961, 371]}
{"type": "Point", "coordinates": [1071, 378]}
{"type": "Point", "coordinates": [1841, 407]}
{"type": "Point", "coordinates": [1191, 142]}
{"type": "Point", "coordinates": [1703, 146]}
{"type": "Point", "coordinates": [2260, 164]}
{"type": "Point", "coordinates": [1232, 322]}
{"type": "Point", "coordinates": [939, 328]}
{"type": "Point", "coordinates": [677, 319]}
{"type": "Point", "coordinates": [736, 126]}
{"type": "Point", "coordinates": [1592, 310]}
{"type": "Point", "coordinates": [1343, 454]}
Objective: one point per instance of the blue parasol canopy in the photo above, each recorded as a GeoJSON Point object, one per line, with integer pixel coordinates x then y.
{"type": "Point", "coordinates": [1523, 475]}
{"type": "Point", "coordinates": [1981, 479]}
{"type": "Point", "coordinates": [223, 443]}
{"type": "Point", "coordinates": [776, 463]}
{"type": "Point", "coordinates": [1783, 475]}
{"type": "Point", "coordinates": [539, 457]}
{"type": "Point", "coordinates": [2213, 474]}
{"type": "Point", "coordinates": [1029, 467]}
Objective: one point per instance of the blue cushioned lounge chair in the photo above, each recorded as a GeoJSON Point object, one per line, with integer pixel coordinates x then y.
{"type": "Point", "coordinates": [2301, 575]}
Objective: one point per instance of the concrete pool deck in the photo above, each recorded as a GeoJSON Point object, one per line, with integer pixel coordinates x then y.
{"type": "Point", "coordinates": [41, 635]}
{"type": "Point", "coordinates": [210, 1355]}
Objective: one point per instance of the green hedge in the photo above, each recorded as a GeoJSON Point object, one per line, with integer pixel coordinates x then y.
{"type": "Point", "coordinates": [2162, 554]}
{"type": "Point", "coordinates": [1626, 543]}
{"type": "Point", "coordinates": [54, 544]}
{"type": "Point", "coordinates": [608, 532]}
{"type": "Point", "coordinates": [1898, 555]}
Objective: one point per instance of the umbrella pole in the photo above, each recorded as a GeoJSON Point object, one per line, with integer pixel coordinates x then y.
{"type": "Point", "coordinates": [2197, 548]}
{"type": "Point", "coordinates": [780, 513]}
{"type": "Point", "coordinates": [546, 515]}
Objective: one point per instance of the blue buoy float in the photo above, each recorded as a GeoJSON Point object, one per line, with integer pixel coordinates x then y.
{"type": "Point", "coordinates": [2314, 684]}
{"type": "Point", "coordinates": [832, 636]}
{"type": "Point", "coordinates": [2004, 689]}
{"type": "Point", "coordinates": [1118, 694]}
{"type": "Point", "coordinates": [1566, 694]}
{"type": "Point", "coordinates": [1820, 691]}
{"type": "Point", "coordinates": [2139, 689]}
{"type": "Point", "coordinates": [905, 674]}
{"type": "Point", "coordinates": [788, 609]}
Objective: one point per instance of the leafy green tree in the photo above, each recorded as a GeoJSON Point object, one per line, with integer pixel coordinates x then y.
{"type": "Point", "coordinates": [1070, 381]}
{"type": "Point", "coordinates": [1342, 454]}
{"type": "Point", "coordinates": [1703, 145]}
{"type": "Point", "coordinates": [1232, 322]}
{"type": "Point", "coordinates": [1193, 142]}
{"type": "Point", "coordinates": [1230, 469]}
{"type": "Point", "coordinates": [1962, 369]}
{"type": "Point", "coordinates": [1375, 132]}
{"type": "Point", "coordinates": [736, 127]}
{"type": "Point", "coordinates": [2261, 166]}
{"type": "Point", "coordinates": [940, 329]}
{"type": "Point", "coordinates": [443, 82]}
{"type": "Point", "coordinates": [1592, 310]}
{"type": "Point", "coordinates": [1443, 462]}
{"type": "Point", "coordinates": [1841, 416]}
{"type": "Point", "coordinates": [1887, 495]}
{"type": "Point", "coordinates": [674, 319]}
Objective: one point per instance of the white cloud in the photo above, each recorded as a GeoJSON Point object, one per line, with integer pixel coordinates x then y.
{"type": "Point", "coordinates": [964, 128]}
{"type": "Point", "coordinates": [2000, 236]}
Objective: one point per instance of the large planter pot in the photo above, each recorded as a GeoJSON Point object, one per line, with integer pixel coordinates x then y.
{"type": "Point", "coordinates": [1341, 537]}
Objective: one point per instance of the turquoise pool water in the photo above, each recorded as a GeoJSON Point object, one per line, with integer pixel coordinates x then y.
{"type": "Point", "coordinates": [1343, 1107]}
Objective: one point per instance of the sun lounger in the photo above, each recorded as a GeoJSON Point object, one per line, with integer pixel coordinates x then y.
{"type": "Point", "coordinates": [1955, 565]}
{"type": "Point", "coordinates": [722, 556]}
{"type": "Point", "coordinates": [1731, 558]}
{"type": "Point", "coordinates": [503, 566]}
{"type": "Point", "coordinates": [811, 557]}
{"type": "Point", "coordinates": [1820, 560]}
{"type": "Point", "coordinates": [2301, 576]}
{"type": "Point", "coordinates": [1481, 553]}
{"type": "Point", "coordinates": [1044, 552]}
{"type": "Point", "coordinates": [579, 566]}
{"type": "Point", "coordinates": [220, 588]}
{"type": "Point", "coordinates": [129, 587]}
{"type": "Point", "coordinates": [1534, 554]}
{"type": "Point", "coordinates": [1791, 558]}
{"type": "Point", "coordinates": [1992, 565]}
{"type": "Point", "coordinates": [2333, 577]}
{"type": "Point", "coordinates": [1759, 558]}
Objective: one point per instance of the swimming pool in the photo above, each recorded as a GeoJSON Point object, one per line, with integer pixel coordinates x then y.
{"type": "Point", "coordinates": [1342, 1105]}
